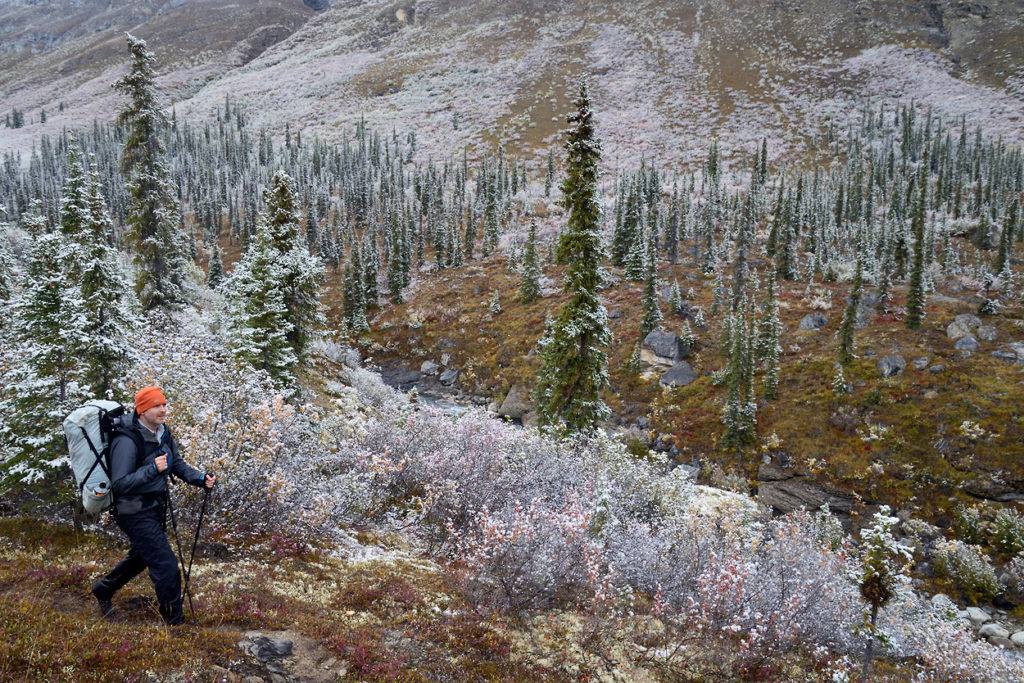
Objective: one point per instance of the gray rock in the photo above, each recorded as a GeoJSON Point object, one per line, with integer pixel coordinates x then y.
{"type": "Point", "coordinates": [993, 630]}
{"type": "Point", "coordinates": [265, 648]}
{"type": "Point", "coordinates": [813, 321]}
{"type": "Point", "coordinates": [446, 358]}
{"type": "Point", "coordinates": [429, 368]}
{"type": "Point", "coordinates": [615, 314]}
{"type": "Point", "coordinates": [891, 366]}
{"type": "Point", "coordinates": [920, 363]}
{"type": "Point", "coordinates": [679, 375]}
{"type": "Point", "coordinates": [1018, 639]}
{"type": "Point", "coordinates": [665, 345]}
{"type": "Point", "coordinates": [769, 471]}
{"type": "Point", "coordinates": [955, 330]}
{"type": "Point", "coordinates": [969, 320]}
{"type": "Point", "coordinates": [966, 343]}
{"type": "Point", "coordinates": [799, 492]}
{"type": "Point", "coordinates": [987, 333]}
{"type": "Point", "coordinates": [317, 5]}
{"type": "Point", "coordinates": [516, 404]}
{"type": "Point", "coordinates": [1004, 355]}
{"type": "Point", "coordinates": [998, 641]}
{"type": "Point", "coordinates": [978, 616]}
{"type": "Point", "coordinates": [530, 419]}
{"type": "Point", "coordinates": [406, 378]}
{"type": "Point", "coordinates": [937, 368]}
{"type": "Point", "coordinates": [1017, 348]}
{"type": "Point", "coordinates": [449, 376]}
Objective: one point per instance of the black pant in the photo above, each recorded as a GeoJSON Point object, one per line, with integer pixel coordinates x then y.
{"type": "Point", "coordinates": [149, 548]}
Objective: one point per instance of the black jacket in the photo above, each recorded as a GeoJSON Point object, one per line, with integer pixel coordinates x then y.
{"type": "Point", "coordinates": [134, 479]}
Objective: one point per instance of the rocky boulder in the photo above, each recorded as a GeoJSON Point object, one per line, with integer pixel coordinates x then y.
{"type": "Point", "coordinates": [813, 321]}
{"type": "Point", "coordinates": [661, 348]}
{"type": "Point", "coordinates": [891, 366]}
{"type": "Point", "coordinates": [966, 343]}
{"type": "Point", "coordinates": [968, 320]}
{"type": "Point", "coordinates": [955, 330]}
{"type": "Point", "coordinates": [679, 375]}
{"type": "Point", "coordinates": [429, 368]}
{"type": "Point", "coordinates": [449, 376]}
{"type": "Point", "coordinates": [516, 404]}
{"type": "Point", "coordinates": [987, 333]}
{"type": "Point", "coordinates": [317, 5]}
{"type": "Point", "coordinates": [795, 492]}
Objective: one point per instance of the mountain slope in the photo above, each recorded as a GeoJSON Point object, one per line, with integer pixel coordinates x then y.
{"type": "Point", "coordinates": [666, 76]}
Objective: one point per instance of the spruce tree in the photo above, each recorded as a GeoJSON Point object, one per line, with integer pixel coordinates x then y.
{"type": "Point", "coordinates": [152, 217]}
{"type": "Point", "coordinates": [529, 285]}
{"type": "Point", "coordinates": [846, 344]}
{"type": "Point", "coordinates": [48, 327]}
{"type": "Point", "coordinates": [574, 364]}
{"type": "Point", "coordinates": [112, 320]}
{"type": "Point", "coordinates": [215, 275]}
{"type": "Point", "coordinates": [258, 315]}
{"type": "Point", "coordinates": [916, 296]}
{"type": "Point", "coordinates": [649, 301]}
{"type": "Point", "coordinates": [768, 342]}
{"type": "Point", "coordinates": [302, 274]}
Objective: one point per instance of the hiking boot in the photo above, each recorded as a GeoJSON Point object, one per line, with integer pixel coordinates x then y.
{"type": "Point", "coordinates": [172, 613]}
{"type": "Point", "coordinates": [105, 605]}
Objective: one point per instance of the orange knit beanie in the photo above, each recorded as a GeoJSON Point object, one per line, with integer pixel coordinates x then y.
{"type": "Point", "coordinates": [147, 397]}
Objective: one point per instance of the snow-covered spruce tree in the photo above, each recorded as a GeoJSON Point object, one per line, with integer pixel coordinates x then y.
{"type": "Point", "coordinates": [529, 285]}
{"type": "Point", "coordinates": [549, 174]}
{"type": "Point", "coordinates": [675, 299]}
{"type": "Point", "coordinates": [574, 364]}
{"type": "Point", "coordinates": [740, 409]}
{"type": "Point", "coordinates": [768, 341]}
{"type": "Point", "coordinates": [649, 300]}
{"type": "Point", "coordinates": [916, 295]}
{"type": "Point", "coordinates": [353, 303]}
{"type": "Point", "coordinates": [112, 317]}
{"type": "Point", "coordinates": [152, 217]}
{"type": "Point", "coordinates": [258, 320]}
{"type": "Point", "coordinates": [880, 565]}
{"type": "Point", "coordinates": [1002, 263]}
{"type": "Point", "coordinates": [302, 274]}
{"type": "Point", "coordinates": [49, 323]}
{"type": "Point", "coordinates": [6, 273]}
{"type": "Point", "coordinates": [846, 344]}
{"type": "Point", "coordinates": [215, 274]}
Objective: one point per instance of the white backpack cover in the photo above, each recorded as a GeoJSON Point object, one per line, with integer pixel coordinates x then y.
{"type": "Point", "coordinates": [87, 430]}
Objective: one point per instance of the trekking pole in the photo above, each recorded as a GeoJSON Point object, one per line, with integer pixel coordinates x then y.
{"type": "Point", "coordinates": [177, 541]}
{"type": "Point", "coordinates": [195, 541]}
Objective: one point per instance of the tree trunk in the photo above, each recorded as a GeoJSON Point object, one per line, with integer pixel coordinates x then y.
{"type": "Point", "coordinates": [870, 646]}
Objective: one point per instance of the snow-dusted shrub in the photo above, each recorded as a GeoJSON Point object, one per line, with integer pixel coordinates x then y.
{"type": "Point", "coordinates": [1007, 531]}
{"type": "Point", "coordinates": [968, 524]}
{"type": "Point", "coordinates": [1015, 570]}
{"type": "Point", "coordinates": [968, 567]}
{"type": "Point", "coordinates": [228, 420]}
{"type": "Point", "coordinates": [944, 646]}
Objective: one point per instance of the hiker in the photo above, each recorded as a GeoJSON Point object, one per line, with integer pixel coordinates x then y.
{"type": "Point", "coordinates": [142, 456]}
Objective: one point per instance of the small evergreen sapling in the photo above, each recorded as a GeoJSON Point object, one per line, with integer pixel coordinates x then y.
{"type": "Point", "coordinates": [529, 285]}
{"type": "Point", "coordinates": [879, 573]}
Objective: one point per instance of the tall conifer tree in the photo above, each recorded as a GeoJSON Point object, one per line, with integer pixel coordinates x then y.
{"type": "Point", "coordinates": [574, 364]}
{"type": "Point", "coordinates": [159, 245]}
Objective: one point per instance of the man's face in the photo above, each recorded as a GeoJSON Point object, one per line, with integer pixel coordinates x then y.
{"type": "Point", "coordinates": [155, 415]}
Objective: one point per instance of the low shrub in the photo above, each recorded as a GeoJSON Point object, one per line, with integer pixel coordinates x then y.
{"type": "Point", "coordinates": [968, 568]}
{"type": "Point", "coordinates": [1007, 531]}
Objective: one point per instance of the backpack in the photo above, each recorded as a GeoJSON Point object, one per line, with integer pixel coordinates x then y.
{"type": "Point", "coordinates": [89, 431]}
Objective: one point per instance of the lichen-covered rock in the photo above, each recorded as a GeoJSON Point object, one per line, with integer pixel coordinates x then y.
{"type": "Point", "coordinates": [892, 365]}
{"type": "Point", "coordinates": [516, 404]}
{"type": "Point", "coordinates": [813, 321]}
{"type": "Point", "coordinates": [679, 375]}
{"type": "Point", "coordinates": [955, 330]}
{"type": "Point", "coordinates": [966, 343]}
{"type": "Point", "coordinates": [664, 347]}
{"type": "Point", "coordinates": [987, 333]}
